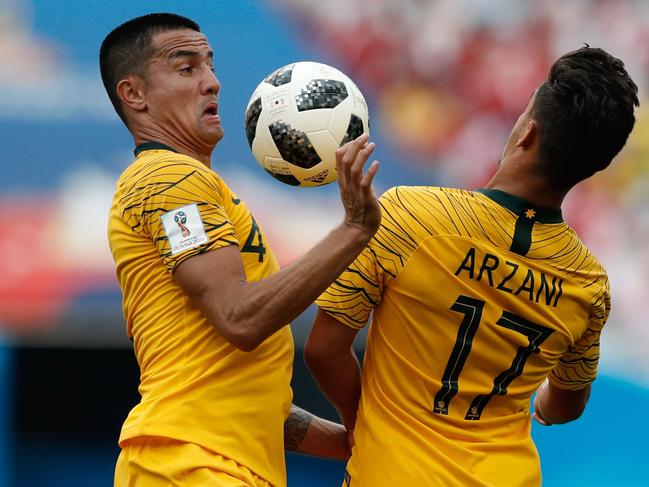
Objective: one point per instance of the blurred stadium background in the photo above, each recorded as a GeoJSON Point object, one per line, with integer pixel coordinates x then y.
{"type": "Point", "coordinates": [445, 80]}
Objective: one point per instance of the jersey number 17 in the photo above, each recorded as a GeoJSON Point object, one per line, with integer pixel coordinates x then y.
{"type": "Point", "coordinates": [472, 308]}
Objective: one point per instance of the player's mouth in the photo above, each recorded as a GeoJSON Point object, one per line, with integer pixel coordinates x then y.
{"type": "Point", "coordinates": [211, 112]}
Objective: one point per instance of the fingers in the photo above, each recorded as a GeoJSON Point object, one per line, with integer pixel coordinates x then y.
{"type": "Point", "coordinates": [536, 415]}
{"type": "Point", "coordinates": [351, 158]}
{"type": "Point", "coordinates": [362, 208]}
{"type": "Point", "coordinates": [540, 420]}
{"type": "Point", "coordinates": [353, 146]}
{"type": "Point", "coordinates": [346, 154]}
{"type": "Point", "coordinates": [368, 177]}
{"type": "Point", "coordinates": [356, 169]}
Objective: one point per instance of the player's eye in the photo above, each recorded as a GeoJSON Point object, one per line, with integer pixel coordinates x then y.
{"type": "Point", "coordinates": [187, 69]}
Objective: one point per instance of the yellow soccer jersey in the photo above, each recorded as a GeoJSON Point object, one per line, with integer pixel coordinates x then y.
{"type": "Point", "coordinates": [195, 385]}
{"type": "Point", "coordinates": [475, 298]}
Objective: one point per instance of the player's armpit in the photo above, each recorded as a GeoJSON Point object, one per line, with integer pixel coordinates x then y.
{"type": "Point", "coordinates": [331, 359]}
{"type": "Point", "coordinates": [553, 405]}
{"type": "Point", "coordinates": [311, 435]}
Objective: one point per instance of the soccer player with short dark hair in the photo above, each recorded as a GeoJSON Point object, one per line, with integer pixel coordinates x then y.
{"type": "Point", "coordinates": [478, 300]}
{"type": "Point", "coordinates": [205, 302]}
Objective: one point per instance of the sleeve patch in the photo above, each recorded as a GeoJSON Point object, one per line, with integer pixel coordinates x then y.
{"type": "Point", "coordinates": [184, 228]}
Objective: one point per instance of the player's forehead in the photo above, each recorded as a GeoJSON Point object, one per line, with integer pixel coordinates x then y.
{"type": "Point", "coordinates": [173, 43]}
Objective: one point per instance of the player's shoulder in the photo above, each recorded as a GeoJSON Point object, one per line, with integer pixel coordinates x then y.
{"type": "Point", "coordinates": [424, 195]}
{"type": "Point", "coordinates": [588, 264]}
{"type": "Point", "coordinates": [424, 211]}
{"type": "Point", "coordinates": [163, 165]}
{"type": "Point", "coordinates": [590, 274]}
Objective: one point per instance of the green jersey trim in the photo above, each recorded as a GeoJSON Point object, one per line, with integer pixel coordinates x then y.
{"type": "Point", "coordinates": [523, 208]}
{"type": "Point", "coordinates": [528, 214]}
{"type": "Point", "coordinates": [152, 146]}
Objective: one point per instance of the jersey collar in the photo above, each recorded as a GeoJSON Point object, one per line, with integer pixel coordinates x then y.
{"type": "Point", "coordinates": [152, 146]}
{"type": "Point", "coordinates": [522, 207]}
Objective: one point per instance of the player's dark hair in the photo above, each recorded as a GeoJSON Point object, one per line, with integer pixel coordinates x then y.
{"type": "Point", "coordinates": [585, 113]}
{"type": "Point", "coordinates": [128, 49]}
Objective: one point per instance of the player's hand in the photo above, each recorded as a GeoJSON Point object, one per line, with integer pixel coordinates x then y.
{"type": "Point", "coordinates": [540, 420]}
{"type": "Point", "coordinates": [362, 209]}
{"type": "Point", "coordinates": [536, 415]}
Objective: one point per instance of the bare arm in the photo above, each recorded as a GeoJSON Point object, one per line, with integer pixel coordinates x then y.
{"type": "Point", "coordinates": [311, 435]}
{"type": "Point", "coordinates": [331, 359]}
{"type": "Point", "coordinates": [553, 405]}
{"type": "Point", "coordinates": [246, 313]}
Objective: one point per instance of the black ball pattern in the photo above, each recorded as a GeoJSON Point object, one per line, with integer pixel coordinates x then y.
{"type": "Point", "coordinates": [294, 145]}
{"type": "Point", "coordinates": [281, 76]}
{"type": "Point", "coordinates": [252, 117]}
{"type": "Point", "coordinates": [354, 129]}
{"type": "Point", "coordinates": [284, 178]}
{"type": "Point", "coordinates": [321, 93]}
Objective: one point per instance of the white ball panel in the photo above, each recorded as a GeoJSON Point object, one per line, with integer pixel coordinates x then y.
{"type": "Point", "coordinates": [311, 120]}
{"type": "Point", "coordinates": [340, 119]}
{"type": "Point", "coordinates": [325, 145]}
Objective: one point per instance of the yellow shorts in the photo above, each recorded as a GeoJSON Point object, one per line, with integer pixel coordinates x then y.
{"type": "Point", "coordinates": [153, 461]}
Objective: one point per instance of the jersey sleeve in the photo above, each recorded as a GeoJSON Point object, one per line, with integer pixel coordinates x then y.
{"type": "Point", "coordinates": [360, 288]}
{"type": "Point", "coordinates": [578, 366]}
{"type": "Point", "coordinates": [178, 204]}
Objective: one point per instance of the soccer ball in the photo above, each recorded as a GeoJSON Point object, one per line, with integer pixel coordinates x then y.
{"type": "Point", "coordinates": [298, 116]}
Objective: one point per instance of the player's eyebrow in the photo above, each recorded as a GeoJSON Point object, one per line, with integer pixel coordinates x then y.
{"type": "Point", "coordinates": [188, 53]}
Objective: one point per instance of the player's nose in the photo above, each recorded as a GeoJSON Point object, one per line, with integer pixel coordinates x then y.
{"type": "Point", "coordinates": [211, 85]}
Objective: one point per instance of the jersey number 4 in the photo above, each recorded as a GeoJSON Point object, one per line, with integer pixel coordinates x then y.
{"type": "Point", "coordinates": [472, 308]}
{"type": "Point", "coordinates": [250, 245]}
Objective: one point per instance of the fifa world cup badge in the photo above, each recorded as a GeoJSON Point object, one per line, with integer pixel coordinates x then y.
{"type": "Point", "coordinates": [184, 228]}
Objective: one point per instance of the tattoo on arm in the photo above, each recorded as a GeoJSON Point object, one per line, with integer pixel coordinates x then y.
{"type": "Point", "coordinates": [295, 428]}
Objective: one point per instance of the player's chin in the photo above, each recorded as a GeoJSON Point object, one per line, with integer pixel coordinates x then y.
{"type": "Point", "coordinates": [213, 134]}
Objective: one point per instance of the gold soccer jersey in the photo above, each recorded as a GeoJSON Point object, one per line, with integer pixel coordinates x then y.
{"type": "Point", "coordinates": [475, 298]}
{"type": "Point", "coordinates": [195, 386]}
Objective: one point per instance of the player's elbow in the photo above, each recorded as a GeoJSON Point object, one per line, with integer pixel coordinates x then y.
{"type": "Point", "coordinates": [238, 331]}
{"type": "Point", "coordinates": [242, 336]}
{"type": "Point", "coordinates": [246, 345]}
{"type": "Point", "coordinates": [239, 327]}
{"type": "Point", "coordinates": [560, 418]}
{"type": "Point", "coordinates": [567, 413]}
{"type": "Point", "coordinates": [559, 406]}
{"type": "Point", "coordinates": [571, 417]}
{"type": "Point", "coordinates": [242, 342]}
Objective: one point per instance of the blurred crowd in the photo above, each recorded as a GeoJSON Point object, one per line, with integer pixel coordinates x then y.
{"type": "Point", "coordinates": [448, 78]}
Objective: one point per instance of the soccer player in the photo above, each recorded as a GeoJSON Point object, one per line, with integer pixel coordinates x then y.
{"type": "Point", "coordinates": [476, 298]}
{"type": "Point", "coordinates": [205, 303]}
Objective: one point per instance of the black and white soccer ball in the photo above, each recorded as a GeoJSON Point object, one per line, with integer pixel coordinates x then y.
{"type": "Point", "coordinates": [298, 116]}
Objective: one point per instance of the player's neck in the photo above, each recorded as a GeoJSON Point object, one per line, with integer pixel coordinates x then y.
{"type": "Point", "coordinates": [198, 151]}
{"type": "Point", "coordinates": [526, 185]}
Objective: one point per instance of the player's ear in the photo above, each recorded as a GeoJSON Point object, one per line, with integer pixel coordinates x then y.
{"type": "Point", "coordinates": [131, 90]}
{"type": "Point", "coordinates": [528, 135]}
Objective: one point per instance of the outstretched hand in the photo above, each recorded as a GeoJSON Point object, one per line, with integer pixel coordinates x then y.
{"type": "Point", "coordinates": [362, 209]}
